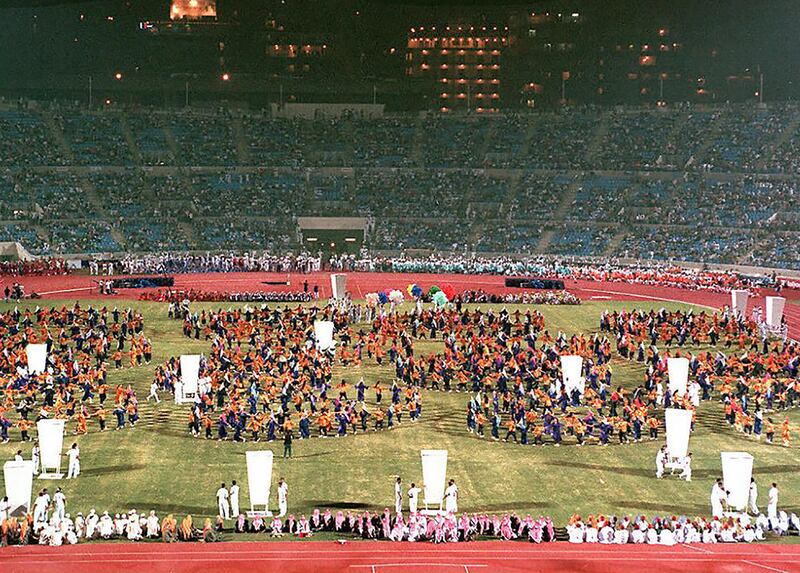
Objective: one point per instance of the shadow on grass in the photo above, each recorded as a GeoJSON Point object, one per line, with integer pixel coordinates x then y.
{"type": "Point", "coordinates": [165, 508]}
{"type": "Point", "coordinates": [508, 507]}
{"type": "Point", "coordinates": [640, 472]}
{"type": "Point", "coordinates": [339, 504]}
{"type": "Point", "coordinates": [661, 508]}
{"type": "Point", "coordinates": [107, 470]}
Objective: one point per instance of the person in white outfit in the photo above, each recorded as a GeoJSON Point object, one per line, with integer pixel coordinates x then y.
{"type": "Point", "coordinates": [35, 457]}
{"type": "Point", "coordinates": [753, 497]}
{"type": "Point", "coordinates": [234, 497]}
{"type": "Point", "coordinates": [133, 529]}
{"type": "Point", "coordinates": [92, 521]}
{"type": "Point", "coordinates": [40, 507]}
{"type": "Point", "coordinates": [398, 496]}
{"type": "Point", "coordinates": [686, 464]}
{"type": "Point", "coordinates": [5, 508]}
{"type": "Point", "coordinates": [413, 498]}
{"type": "Point", "coordinates": [74, 455]}
{"type": "Point", "coordinates": [283, 497]}
{"type": "Point", "coordinates": [451, 497]}
{"type": "Point", "coordinates": [60, 504]}
{"type": "Point", "coordinates": [717, 495]}
{"type": "Point", "coordinates": [222, 502]}
{"type": "Point", "coordinates": [772, 502]}
{"type": "Point", "coordinates": [153, 526]}
{"type": "Point", "coordinates": [153, 392]}
{"type": "Point", "coordinates": [661, 460]}
{"type": "Point", "coordinates": [106, 526]}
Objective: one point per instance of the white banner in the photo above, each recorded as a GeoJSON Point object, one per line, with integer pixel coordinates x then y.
{"type": "Point", "coordinates": [678, 371]}
{"type": "Point", "coordinates": [775, 306]}
{"type": "Point", "coordinates": [737, 469]}
{"type": "Point", "coordinates": [259, 477]}
{"type": "Point", "coordinates": [571, 367]}
{"type": "Point", "coordinates": [37, 358]}
{"type": "Point", "coordinates": [323, 332]}
{"type": "Point", "coordinates": [18, 477]}
{"type": "Point", "coordinates": [338, 285]}
{"type": "Point", "coordinates": [190, 371]}
{"type": "Point", "coordinates": [51, 441]}
{"type": "Point", "coordinates": [679, 427]}
{"type": "Point", "coordinates": [739, 301]}
{"type": "Point", "coordinates": [434, 474]}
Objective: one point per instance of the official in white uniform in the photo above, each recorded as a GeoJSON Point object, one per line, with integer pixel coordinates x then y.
{"type": "Point", "coordinates": [283, 498]}
{"type": "Point", "coordinates": [451, 497]}
{"type": "Point", "coordinates": [772, 502]}
{"type": "Point", "coordinates": [398, 496]}
{"type": "Point", "coordinates": [717, 495]}
{"type": "Point", "coordinates": [686, 465]}
{"type": "Point", "coordinates": [661, 459]}
{"type": "Point", "coordinates": [60, 503]}
{"type": "Point", "coordinates": [753, 497]}
{"type": "Point", "coordinates": [234, 497]}
{"type": "Point", "coordinates": [5, 507]}
{"type": "Point", "coordinates": [40, 507]}
{"type": "Point", "coordinates": [35, 457]}
{"type": "Point", "coordinates": [413, 498]}
{"type": "Point", "coordinates": [74, 455]}
{"type": "Point", "coordinates": [153, 393]}
{"type": "Point", "coordinates": [222, 502]}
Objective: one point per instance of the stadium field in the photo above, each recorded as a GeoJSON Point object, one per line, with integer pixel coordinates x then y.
{"type": "Point", "coordinates": [159, 466]}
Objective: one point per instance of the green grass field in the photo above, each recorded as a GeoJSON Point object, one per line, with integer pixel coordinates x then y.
{"type": "Point", "coordinates": [158, 465]}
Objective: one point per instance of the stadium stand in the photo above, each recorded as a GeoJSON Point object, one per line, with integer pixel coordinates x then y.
{"type": "Point", "coordinates": [715, 184]}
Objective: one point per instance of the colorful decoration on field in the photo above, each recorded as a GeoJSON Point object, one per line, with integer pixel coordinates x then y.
{"type": "Point", "coordinates": [439, 299]}
{"type": "Point", "coordinates": [396, 297]}
{"type": "Point", "coordinates": [449, 291]}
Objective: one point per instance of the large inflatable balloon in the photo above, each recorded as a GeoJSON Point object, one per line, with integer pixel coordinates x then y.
{"type": "Point", "coordinates": [396, 297]}
{"type": "Point", "coordinates": [439, 298]}
{"type": "Point", "coordinates": [372, 299]}
{"type": "Point", "coordinates": [449, 291]}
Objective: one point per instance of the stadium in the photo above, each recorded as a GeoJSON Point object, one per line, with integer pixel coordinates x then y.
{"type": "Point", "coordinates": [399, 286]}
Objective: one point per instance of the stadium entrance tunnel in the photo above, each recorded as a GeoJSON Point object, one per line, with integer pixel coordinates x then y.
{"type": "Point", "coordinates": [333, 235]}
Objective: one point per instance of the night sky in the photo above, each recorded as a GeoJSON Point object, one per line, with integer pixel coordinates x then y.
{"type": "Point", "coordinates": [45, 39]}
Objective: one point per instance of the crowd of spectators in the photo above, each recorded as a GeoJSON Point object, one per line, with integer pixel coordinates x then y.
{"type": "Point", "coordinates": [721, 179]}
{"type": "Point", "coordinates": [527, 297]}
{"type": "Point", "coordinates": [35, 267]}
{"type": "Point", "coordinates": [192, 295]}
{"type": "Point", "coordinates": [219, 263]}
{"type": "Point", "coordinates": [544, 266]}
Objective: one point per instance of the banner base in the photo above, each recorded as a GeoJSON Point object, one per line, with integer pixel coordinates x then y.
{"type": "Point", "coordinates": [48, 475]}
{"type": "Point", "coordinates": [433, 512]}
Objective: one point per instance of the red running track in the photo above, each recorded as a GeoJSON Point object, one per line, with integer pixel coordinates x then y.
{"type": "Point", "coordinates": [82, 286]}
{"type": "Point", "coordinates": [384, 557]}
